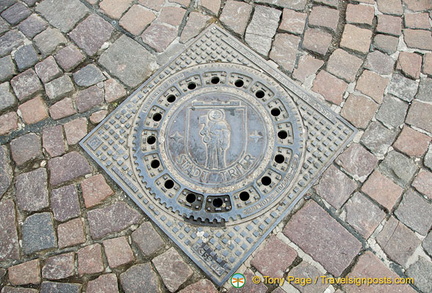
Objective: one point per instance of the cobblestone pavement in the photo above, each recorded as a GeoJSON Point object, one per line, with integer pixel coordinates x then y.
{"type": "Point", "coordinates": [65, 64]}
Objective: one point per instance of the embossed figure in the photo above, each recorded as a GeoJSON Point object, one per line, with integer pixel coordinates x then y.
{"type": "Point", "coordinates": [216, 135]}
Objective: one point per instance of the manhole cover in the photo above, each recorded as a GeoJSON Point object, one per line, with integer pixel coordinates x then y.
{"type": "Point", "coordinates": [216, 148]}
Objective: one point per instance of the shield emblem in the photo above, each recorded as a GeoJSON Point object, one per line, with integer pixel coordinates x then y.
{"type": "Point", "coordinates": [216, 133]}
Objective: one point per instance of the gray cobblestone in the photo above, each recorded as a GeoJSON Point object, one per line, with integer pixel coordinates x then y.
{"type": "Point", "coordinates": [7, 99]}
{"type": "Point", "coordinates": [32, 26]}
{"type": "Point", "coordinates": [31, 190]}
{"type": "Point", "coordinates": [421, 271]}
{"type": "Point", "coordinates": [415, 212]}
{"type": "Point", "coordinates": [26, 57]}
{"type": "Point", "coordinates": [16, 13]}
{"type": "Point", "coordinates": [38, 233]}
{"type": "Point", "coordinates": [48, 40]}
{"type": "Point", "coordinates": [378, 138]}
{"type": "Point", "coordinates": [392, 112]}
{"type": "Point", "coordinates": [10, 41]}
{"type": "Point", "coordinates": [7, 68]}
{"type": "Point", "coordinates": [262, 28]}
{"type": "Point", "coordinates": [399, 167]}
{"type": "Point", "coordinates": [63, 14]}
{"type": "Point", "coordinates": [59, 88]}
{"type": "Point", "coordinates": [6, 175]}
{"type": "Point", "coordinates": [425, 90]}
{"type": "Point", "coordinates": [47, 69]}
{"type": "Point", "coordinates": [402, 87]}
{"type": "Point", "coordinates": [88, 76]}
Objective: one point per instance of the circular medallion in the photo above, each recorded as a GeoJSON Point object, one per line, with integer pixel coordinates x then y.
{"type": "Point", "coordinates": [218, 142]}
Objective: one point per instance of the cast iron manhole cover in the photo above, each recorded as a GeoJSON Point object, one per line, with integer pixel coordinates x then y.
{"type": "Point", "coordinates": [216, 148]}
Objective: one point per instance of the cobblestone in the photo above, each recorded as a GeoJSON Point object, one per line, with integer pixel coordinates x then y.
{"type": "Point", "coordinates": [360, 14]}
{"type": "Point", "coordinates": [387, 44]}
{"type": "Point", "coordinates": [235, 15]}
{"type": "Point", "coordinates": [88, 98]}
{"type": "Point", "coordinates": [7, 99]}
{"type": "Point", "coordinates": [140, 277]}
{"type": "Point", "coordinates": [38, 233]}
{"type": "Point", "coordinates": [379, 62]}
{"type": "Point", "coordinates": [344, 65]}
{"type": "Point", "coordinates": [26, 148]}
{"type": "Point", "coordinates": [212, 5]}
{"type": "Point", "coordinates": [334, 93]}
{"type": "Point", "coordinates": [103, 284]}
{"type": "Point", "coordinates": [47, 69]}
{"type": "Point", "coordinates": [68, 167]}
{"type": "Point", "coordinates": [356, 39]}
{"type": "Point", "coordinates": [363, 215]}
{"type": "Point", "coordinates": [75, 130]}
{"type": "Point", "coordinates": [10, 41]}
{"type": "Point", "coordinates": [171, 15]}
{"type": "Point", "coordinates": [370, 266]}
{"type": "Point", "coordinates": [115, 8]}
{"type": "Point", "coordinates": [26, 57]}
{"type": "Point", "coordinates": [69, 57]}
{"type": "Point", "coordinates": [397, 241]}
{"type": "Point", "coordinates": [9, 245]}
{"type": "Point", "coordinates": [131, 67]}
{"type": "Point", "coordinates": [389, 24]}
{"type": "Point", "coordinates": [147, 239]}
{"type": "Point", "coordinates": [118, 252]}
{"type": "Point", "coordinates": [324, 17]}
{"type": "Point", "coordinates": [137, 19]}
{"type": "Point", "coordinates": [31, 190]}
{"type": "Point", "coordinates": [390, 6]}
{"type": "Point", "coordinates": [34, 111]}
{"type": "Point", "coordinates": [48, 40]}
{"type": "Point", "coordinates": [423, 183]}
{"type": "Point", "coordinates": [63, 14]}
{"type": "Point", "coordinates": [98, 116]}
{"type": "Point", "coordinates": [335, 187]}
{"type": "Point", "coordinates": [54, 287]}
{"type": "Point", "coordinates": [65, 203]}
{"type": "Point", "coordinates": [16, 13]}
{"type": "Point", "coordinates": [428, 158]}
{"type": "Point", "coordinates": [307, 66]}
{"type": "Point", "coordinates": [399, 167]}
{"type": "Point", "coordinates": [62, 109]}
{"type": "Point", "coordinates": [425, 90]}
{"type": "Point", "coordinates": [6, 175]}
{"type": "Point", "coordinates": [372, 85]}
{"type": "Point", "coordinates": [322, 237]}
{"type": "Point", "coordinates": [412, 142]}
{"type": "Point", "coordinates": [7, 68]}
{"type": "Point", "coordinates": [173, 270]}
{"type": "Point", "coordinates": [297, 5]}
{"type": "Point", "coordinates": [113, 90]}
{"type": "Point", "coordinates": [427, 243]}
{"type": "Point", "coordinates": [195, 24]}
{"type": "Point", "coordinates": [159, 36]}
{"type": "Point", "coordinates": [421, 271]}
{"type": "Point", "coordinates": [95, 190]}
{"type": "Point", "coordinates": [52, 140]}
{"type": "Point", "coordinates": [317, 41]}
{"type": "Point", "coordinates": [392, 112]}
{"type": "Point", "coordinates": [92, 33]}
{"type": "Point", "coordinates": [382, 189]}
{"type": "Point", "coordinates": [410, 64]}
{"type": "Point", "coordinates": [90, 259]}
{"type": "Point", "coordinates": [32, 26]}
{"type": "Point", "coordinates": [89, 75]}
{"type": "Point", "coordinates": [306, 270]}
{"type": "Point", "coordinates": [427, 64]}
{"type": "Point", "coordinates": [415, 212]}
{"type": "Point", "coordinates": [419, 39]}
{"type": "Point", "coordinates": [284, 52]}
{"type": "Point", "coordinates": [152, 4]}
{"type": "Point", "coordinates": [274, 258]}
{"type": "Point", "coordinates": [356, 160]}
{"type": "Point", "coordinates": [59, 267]}
{"type": "Point", "coordinates": [359, 110]}
{"type": "Point", "coordinates": [71, 233]}
{"type": "Point", "coordinates": [8, 122]}
{"type": "Point", "coordinates": [293, 21]}
{"type": "Point", "coordinates": [200, 286]}
{"type": "Point", "coordinates": [26, 85]}
{"type": "Point", "coordinates": [25, 273]}
{"type": "Point", "coordinates": [111, 219]}
{"type": "Point", "coordinates": [419, 115]}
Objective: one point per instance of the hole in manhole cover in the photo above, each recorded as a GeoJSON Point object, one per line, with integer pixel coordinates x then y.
{"type": "Point", "coordinates": [216, 148]}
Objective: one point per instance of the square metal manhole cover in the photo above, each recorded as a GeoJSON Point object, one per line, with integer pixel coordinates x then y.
{"type": "Point", "coordinates": [216, 148]}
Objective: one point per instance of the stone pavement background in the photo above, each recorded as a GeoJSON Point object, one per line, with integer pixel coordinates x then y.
{"type": "Point", "coordinates": [65, 64]}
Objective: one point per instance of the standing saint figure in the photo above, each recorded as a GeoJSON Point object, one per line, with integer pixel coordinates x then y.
{"type": "Point", "coordinates": [215, 134]}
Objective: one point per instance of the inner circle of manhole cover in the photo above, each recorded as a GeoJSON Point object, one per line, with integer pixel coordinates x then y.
{"type": "Point", "coordinates": [218, 142]}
